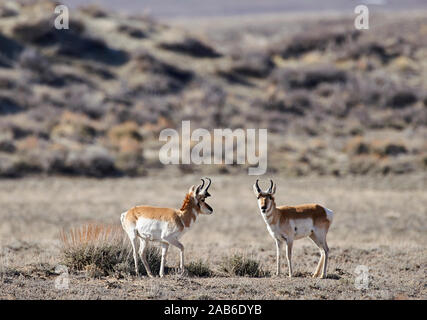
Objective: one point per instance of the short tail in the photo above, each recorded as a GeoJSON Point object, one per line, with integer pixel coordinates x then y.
{"type": "Point", "coordinates": [329, 214]}
{"type": "Point", "coordinates": [122, 219]}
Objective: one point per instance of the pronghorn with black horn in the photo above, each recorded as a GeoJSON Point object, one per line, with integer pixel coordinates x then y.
{"type": "Point", "coordinates": [291, 223]}
{"type": "Point", "coordinates": [165, 225]}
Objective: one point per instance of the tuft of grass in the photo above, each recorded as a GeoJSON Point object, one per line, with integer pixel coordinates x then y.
{"type": "Point", "coordinates": [199, 268]}
{"type": "Point", "coordinates": [240, 265]}
{"type": "Point", "coordinates": [102, 250]}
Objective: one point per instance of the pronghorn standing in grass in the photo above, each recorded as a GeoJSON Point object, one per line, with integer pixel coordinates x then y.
{"type": "Point", "coordinates": [291, 223]}
{"type": "Point", "coordinates": [165, 225]}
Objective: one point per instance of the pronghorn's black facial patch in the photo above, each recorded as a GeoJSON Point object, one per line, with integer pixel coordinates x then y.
{"type": "Point", "coordinates": [202, 205]}
{"type": "Point", "coordinates": [209, 207]}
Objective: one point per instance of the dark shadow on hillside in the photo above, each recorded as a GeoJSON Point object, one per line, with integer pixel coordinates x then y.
{"type": "Point", "coordinates": [71, 42]}
{"type": "Point", "coordinates": [8, 106]}
{"type": "Point", "coordinates": [192, 47]}
{"type": "Point", "coordinates": [9, 51]}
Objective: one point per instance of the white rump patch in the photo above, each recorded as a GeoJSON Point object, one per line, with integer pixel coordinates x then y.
{"type": "Point", "coordinates": [329, 214]}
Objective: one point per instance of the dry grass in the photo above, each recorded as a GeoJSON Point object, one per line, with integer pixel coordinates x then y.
{"type": "Point", "coordinates": [91, 234]}
{"type": "Point", "coordinates": [102, 250]}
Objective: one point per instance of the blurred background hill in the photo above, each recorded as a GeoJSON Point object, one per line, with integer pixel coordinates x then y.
{"type": "Point", "coordinates": [91, 100]}
{"type": "Point", "coordinates": [166, 9]}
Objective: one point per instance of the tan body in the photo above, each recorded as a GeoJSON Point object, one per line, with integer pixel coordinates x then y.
{"type": "Point", "coordinates": [164, 225]}
{"type": "Point", "coordinates": [289, 223]}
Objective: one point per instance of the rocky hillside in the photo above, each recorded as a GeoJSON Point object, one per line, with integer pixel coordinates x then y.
{"type": "Point", "coordinates": [92, 100]}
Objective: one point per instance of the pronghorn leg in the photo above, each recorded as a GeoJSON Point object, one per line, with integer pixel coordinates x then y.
{"type": "Point", "coordinates": [325, 259]}
{"type": "Point", "coordinates": [179, 245]}
{"type": "Point", "coordinates": [278, 248]}
{"type": "Point", "coordinates": [289, 244]}
{"type": "Point", "coordinates": [142, 254]}
{"type": "Point", "coordinates": [165, 247]}
{"type": "Point", "coordinates": [133, 241]}
{"type": "Point", "coordinates": [320, 264]}
{"type": "Point", "coordinates": [318, 243]}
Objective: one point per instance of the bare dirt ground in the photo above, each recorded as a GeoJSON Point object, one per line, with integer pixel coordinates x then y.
{"type": "Point", "coordinates": [379, 223]}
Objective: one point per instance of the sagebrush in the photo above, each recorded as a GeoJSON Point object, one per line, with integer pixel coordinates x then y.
{"type": "Point", "coordinates": [102, 250]}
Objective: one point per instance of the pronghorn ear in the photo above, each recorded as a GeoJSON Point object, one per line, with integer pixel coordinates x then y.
{"type": "Point", "coordinates": [255, 190]}
{"type": "Point", "coordinates": [192, 189]}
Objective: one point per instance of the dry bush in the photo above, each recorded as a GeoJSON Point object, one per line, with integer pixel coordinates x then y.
{"type": "Point", "coordinates": [38, 68]}
{"type": "Point", "coordinates": [127, 141]}
{"type": "Point", "coordinates": [7, 146]}
{"type": "Point", "coordinates": [126, 130]}
{"type": "Point", "coordinates": [191, 46]}
{"type": "Point", "coordinates": [240, 265]}
{"type": "Point", "coordinates": [82, 99]}
{"type": "Point", "coordinates": [320, 39]}
{"type": "Point", "coordinates": [308, 77]}
{"type": "Point", "coordinates": [253, 64]}
{"type": "Point", "coordinates": [8, 9]}
{"type": "Point", "coordinates": [102, 250]}
{"type": "Point", "coordinates": [94, 11]}
{"type": "Point", "coordinates": [402, 99]}
{"type": "Point", "coordinates": [155, 77]}
{"type": "Point", "coordinates": [384, 148]}
{"type": "Point", "coordinates": [357, 146]}
{"type": "Point", "coordinates": [379, 147]}
{"type": "Point", "coordinates": [93, 160]}
{"type": "Point", "coordinates": [297, 102]}
{"type": "Point", "coordinates": [74, 126]}
{"type": "Point", "coordinates": [199, 269]}
{"type": "Point", "coordinates": [9, 106]}
{"type": "Point", "coordinates": [362, 164]}
{"type": "Point", "coordinates": [132, 31]}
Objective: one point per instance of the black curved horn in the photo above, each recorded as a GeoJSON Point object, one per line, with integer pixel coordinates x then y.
{"type": "Point", "coordinates": [258, 189]}
{"type": "Point", "coordinates": [200, 186]}
{"type": "Point", "coordinates": [207, 187]}
{"type": "Point", "coordinates": [271, 187]}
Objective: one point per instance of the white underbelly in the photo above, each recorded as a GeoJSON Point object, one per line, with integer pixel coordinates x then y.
{"type": "Point", "coordinates": [302, 228]}
{"type": "Point", "coordinates": [152, 229]}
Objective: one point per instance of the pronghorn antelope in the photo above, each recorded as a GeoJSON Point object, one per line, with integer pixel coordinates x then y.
{"type": "Point", "coordinates": [291, 223]}
{"type": "Point", "coordinates": [165, 225]}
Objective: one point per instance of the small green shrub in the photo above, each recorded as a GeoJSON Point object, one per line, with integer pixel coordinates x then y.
{"type": "Point", "coordinates": [240, 265]}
